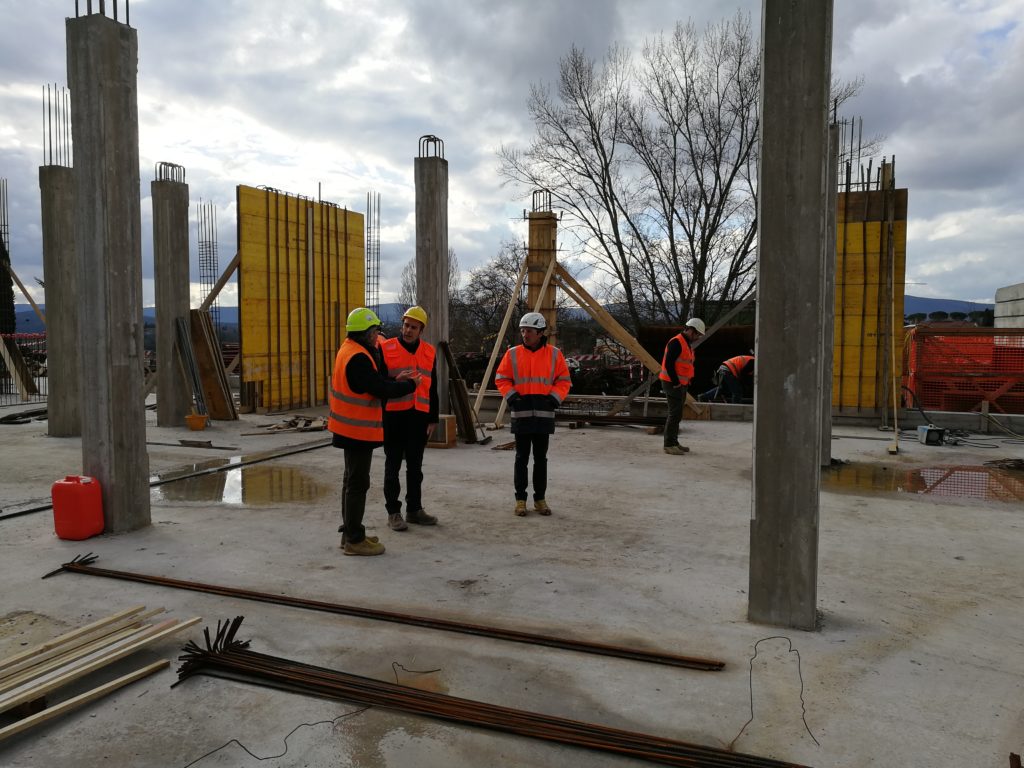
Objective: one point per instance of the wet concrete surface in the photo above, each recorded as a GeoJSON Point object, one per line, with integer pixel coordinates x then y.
{"type": "Point", "coordinates": [965, 481]}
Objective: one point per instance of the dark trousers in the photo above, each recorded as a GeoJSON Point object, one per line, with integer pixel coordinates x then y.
{"type": "Point", "coordinates": [353, 492]}
{"type": "Point", "coordinates": [674, 397]}
{"type": "Point", "coordinates": [725, 382]}
{"type": "Point", "coordinates": [539, 445]}
{"type": "Point", "coordinates": [405, 438]}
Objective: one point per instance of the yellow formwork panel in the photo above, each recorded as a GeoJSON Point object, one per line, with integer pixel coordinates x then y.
{"type": "Point", "coordinates": [301, 271]}
{"type": "Point", "coordinates": [862, 348]}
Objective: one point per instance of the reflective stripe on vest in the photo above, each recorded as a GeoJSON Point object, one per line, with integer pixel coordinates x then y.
{"type": "Point", "coordinates": [684, 363]}
{"type": "Point", "coordinates": [354, 415]}
{"type": "Point", "coordinates": [396, 358]}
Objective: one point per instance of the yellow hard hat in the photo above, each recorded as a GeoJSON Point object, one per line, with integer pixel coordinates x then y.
{"type": "Point", "coordinates": [416, 313]}
{"type": "Point", "coordinates": [361, 319]}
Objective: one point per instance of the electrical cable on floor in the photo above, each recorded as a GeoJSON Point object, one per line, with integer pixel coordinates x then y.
{"type": "Point", "coordinates": [800, 674]}
{"type": "Point", "coordinates": [293, 730]}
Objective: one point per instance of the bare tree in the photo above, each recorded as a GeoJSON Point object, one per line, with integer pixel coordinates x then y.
{"type": "Point", "coordinates": [478, 309]}
{"type": "Point", "coordinates": [407, 294]}
{"type": "Point", "coordinates": [656, 163]}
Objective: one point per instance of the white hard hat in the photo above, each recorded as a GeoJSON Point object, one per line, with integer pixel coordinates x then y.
{"type": "Point", "coordinates": [533, 320]}
{"type": "Point", "coordinates": [697, 324]}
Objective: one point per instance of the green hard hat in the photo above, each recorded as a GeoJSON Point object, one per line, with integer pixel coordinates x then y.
{"type": "Point", "coordinates": [361, 319]}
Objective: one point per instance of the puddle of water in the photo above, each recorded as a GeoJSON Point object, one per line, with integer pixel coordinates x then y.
{"type": "Point", "coordinates": [257, 485]}
{"type": "Point", "coordinates": [958, 482]}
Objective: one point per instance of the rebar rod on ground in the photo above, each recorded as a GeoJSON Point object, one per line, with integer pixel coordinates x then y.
{"type": "Point", "coordinates": [224, 656]}
{"type": "Point", "coordinates": [83, 564]}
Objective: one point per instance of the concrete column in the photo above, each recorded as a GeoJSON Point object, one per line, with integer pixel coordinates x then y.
{"type": "Point", "coordinates": [542, 249]}
{"type": "Point", "coordinates": [828, 301]}
{"type": "Point", "coordinates": [60, 270]}
{"type": "Point", "coordinates": [796, 62]}
{"type": "Point", "coordinates": [102, 69]}
{"type": "Point", "coordinates": [170, 274]}
{"type": "Point", "coordinates": [432, 252]}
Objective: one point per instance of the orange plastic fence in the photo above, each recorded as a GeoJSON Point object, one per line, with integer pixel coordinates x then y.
{"type": "Point", "coordinates": [960, 368]}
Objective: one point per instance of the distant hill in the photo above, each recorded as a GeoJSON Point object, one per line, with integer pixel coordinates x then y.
{"type": "Point", "coordinates": [29, 323]}
{"type": "Point", "coordinates": [913, 305]}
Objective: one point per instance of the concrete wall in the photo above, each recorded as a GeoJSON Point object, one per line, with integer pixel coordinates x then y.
{"type": "Point", "coordinates": [1009, 311]}
{"type": "Point", "coordinates": [60, 272]}
{"type": "Point", "coordinates": [102, 72]}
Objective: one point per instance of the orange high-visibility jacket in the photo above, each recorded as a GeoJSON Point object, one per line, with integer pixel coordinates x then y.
{"type": "Point", "coordinates": [529, 380]}
{"type": "Point", "coordinates": [684, 363]}
{"type": "Point", "coordinates": [397, 357]}
{"type": "Point", "coordinates": [735, 365]}
{"type": "Point", "coordinates": [353, 415]}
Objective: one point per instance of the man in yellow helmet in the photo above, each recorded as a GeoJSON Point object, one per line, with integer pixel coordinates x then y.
{"type": "Point", "coordinates": [408, 421]}
{"type": "Point", "coordinates": [356, 420]}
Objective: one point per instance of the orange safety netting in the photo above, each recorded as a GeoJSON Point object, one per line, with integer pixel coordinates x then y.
{"type": "Point", "coordinates": [961, 368]}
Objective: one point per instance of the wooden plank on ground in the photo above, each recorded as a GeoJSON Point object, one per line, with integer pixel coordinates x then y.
{"type": "Point", "coordinates": [216, 392]}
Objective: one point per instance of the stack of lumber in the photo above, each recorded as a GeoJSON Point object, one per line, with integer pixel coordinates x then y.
{"type": "Point", "coordinates": [212, 377]}
{"type": "Point", "coordinates": [458, 395]}
{"type": "Point", "coordinates": [27, 677]}
{"type": "Point", "coordinates": [293, 424]}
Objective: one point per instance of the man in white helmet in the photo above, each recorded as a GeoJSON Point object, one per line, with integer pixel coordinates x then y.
{"type": "Point", "coordinates": [534, 380]}
{"type": "Point", "coordinates": [676, 373]}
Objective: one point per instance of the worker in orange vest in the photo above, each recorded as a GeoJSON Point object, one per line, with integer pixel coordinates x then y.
{"type": "Point", "coordinates": [731, 376]}
{"type": "Point", "coordinates": [357, 422]}
{"type": "Point", "coordinates": [408, 421]}
{"type": "Point", "coordinates": [534, 380]}
{"type": "Point", "coordinates": [676, 373]}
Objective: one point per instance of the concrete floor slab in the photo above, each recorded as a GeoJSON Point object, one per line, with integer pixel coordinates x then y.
{"type": "Point", "coordinates": [919, 659]}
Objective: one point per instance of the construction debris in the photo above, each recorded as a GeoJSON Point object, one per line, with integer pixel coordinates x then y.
{"type": "Point", "coordinates": [292, 424]}
{"type": "Point", "coordinates": [83, 565]}
{"type": "Point", "coordinates": [225, 656]}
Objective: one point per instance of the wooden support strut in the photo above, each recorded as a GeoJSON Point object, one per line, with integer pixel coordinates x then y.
{"type": "Point", "coordinates": [14, 277]}
{"type": "Point", "coordinates": [498, 339]}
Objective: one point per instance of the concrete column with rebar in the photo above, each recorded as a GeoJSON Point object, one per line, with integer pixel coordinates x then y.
{"type": "Point", "coordinates": [431, 175]}
{"type": "Point", "coordinates": [60, 273]}
{"type": "Point", "coordinates": [102, 73]}
{"type": "Point", "coordinates": [796, 63]}
{"type": "Point", "coordinates": [542, 249]}
{"type": "Point", "coordinates": [170, 277]}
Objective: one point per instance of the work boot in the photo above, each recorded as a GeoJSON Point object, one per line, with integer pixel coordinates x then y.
{"type": "Point", "coordinates": [420, 517]}
{"type": "Point", "coordinates": [365, 547]}
{"type": "Point", "coordinates": [374, 539]}
{"type": "Point", "coordinates": [520, 507]}
{"type": "Point", "coordinates": [396, 523]}
{"type": "Point", "coordinates": [541, 507]}
{"type": "Point", "coordinates": [677, 450]}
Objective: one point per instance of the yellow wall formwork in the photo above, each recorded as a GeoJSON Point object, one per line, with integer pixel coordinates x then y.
{"type": "Point", "coordinates": [301, 270]}
{"type": "Point", "coordinates": [871, 250]}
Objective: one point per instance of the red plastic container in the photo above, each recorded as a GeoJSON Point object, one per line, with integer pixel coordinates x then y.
{"type": "Point", "coordinates": [77, 507]}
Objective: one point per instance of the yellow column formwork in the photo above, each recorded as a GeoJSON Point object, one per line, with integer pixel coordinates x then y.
{"type": "Point", "coordinates": [302, 269]}
{"type": "Point", "coordinates": [871, 240]}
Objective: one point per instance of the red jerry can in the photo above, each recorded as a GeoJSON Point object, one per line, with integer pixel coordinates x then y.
{"type": "Point", "coordinates": [77, 507]}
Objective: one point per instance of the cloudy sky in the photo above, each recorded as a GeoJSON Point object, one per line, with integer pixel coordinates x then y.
{"type": "Point", "coordinates": [337, 93]}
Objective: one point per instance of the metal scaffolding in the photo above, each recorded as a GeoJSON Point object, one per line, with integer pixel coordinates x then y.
{"type": "Point", "coordinates": [209, 268]}
{"type": "Point", "coordinates": [373, 251]}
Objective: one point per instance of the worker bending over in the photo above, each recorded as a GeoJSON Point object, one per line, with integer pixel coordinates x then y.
{"type": "Point", "coordinates": [408, 421]}
{"type": "Point", "coordinates": [731, 376]}
{"type": "Point", "coordinates": [676, 373]}
{"type": "Point", "coordinates": [534, 380]}
{"type": "Point", "coordinates": [357, 423]}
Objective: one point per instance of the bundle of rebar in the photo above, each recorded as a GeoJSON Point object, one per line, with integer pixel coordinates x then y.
{"type": "Point", "coordinates": [84, 564]}
{"type": "Point", "coordinates": [225, 656]}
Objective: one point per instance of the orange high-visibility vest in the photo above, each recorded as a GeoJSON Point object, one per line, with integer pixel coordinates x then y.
{"type": "Point", "coordinates": [354, 415]}
{"type": "Point", "coordinates": [397, 357]}
{"type": "Point", "coordinates": [684, 363]}
{"type": "Point", "coordinates": [735, 365]}
{"type": "Point", "coordinates": [534, 372]}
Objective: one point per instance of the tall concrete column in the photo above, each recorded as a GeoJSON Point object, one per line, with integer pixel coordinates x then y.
{"type": "Point", "coordinates": [828, 302]}
{"type": "Point", "coordinates": [102, 69]}
{"type": "Point", "coordinates": [60, 271]}
{"type": "Point", "coordinates": [796, 63]}
{"type": "Point", "coordinates": [431, 172]}
{"type": "Point", "coordinates": [542, 249]}
{"type": "Point", "coordinates": [170, 277]}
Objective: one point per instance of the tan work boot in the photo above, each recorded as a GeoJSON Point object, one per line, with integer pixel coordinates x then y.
{"type": "Point", "coordinates": [520, 508]}
{"type": "Point", "coordinates": [420, 517]}
{"type": "Point", "coordinates": [541, 507]}
{"type": "Point", "coordinates": [364, 547]}
{"type": "Point", "coordinates": [677, 450]}
{"type": "Point", "coordinates": [396, 523]}
{"type": "Point", "coordinates": [374, 539]}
